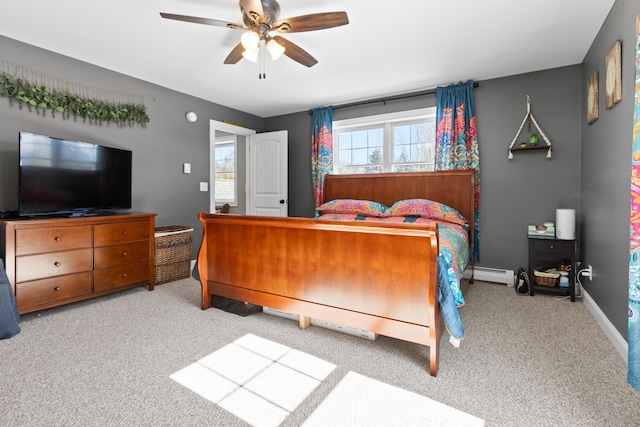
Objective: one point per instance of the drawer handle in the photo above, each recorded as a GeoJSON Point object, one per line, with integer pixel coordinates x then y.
{"type": "Point", "coordinates": [124, 274]}
{"type": "Point", "coordinates": [551, 246]}
{"type": "Point", "coordinates": [124, 254]}
{"type": "Point", "coordinates": [124, 233]}
{"type": "Point", "coordinates": [57, 264]}
{"type": "Point", "coordinates": [57, 238]}
{"type": "Point", "coordinates": [57, 288]}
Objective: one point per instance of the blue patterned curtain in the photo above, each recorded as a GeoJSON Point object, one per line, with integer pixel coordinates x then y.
{"type": "Point", "coordinates": [457, 140]}
{"type": "Point", "coordinates": [321, 149]}
{"type": "Point", "coordinates": [633, 341]}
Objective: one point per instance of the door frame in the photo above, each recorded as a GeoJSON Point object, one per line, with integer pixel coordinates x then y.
{"type": "Point", "coordinates": [214, 126]}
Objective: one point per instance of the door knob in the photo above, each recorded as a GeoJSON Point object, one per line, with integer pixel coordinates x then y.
{"type": "Point", "coordinates": [282, 201]}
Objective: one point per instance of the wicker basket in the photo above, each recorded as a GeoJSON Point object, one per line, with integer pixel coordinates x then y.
{"type": "Point", "coordinates": [173, 253]}
{"type": "Point", "coordinates": [546, 279]}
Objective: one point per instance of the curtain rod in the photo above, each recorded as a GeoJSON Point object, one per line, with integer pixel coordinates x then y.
{"type": "Point", "coordinates": [391, 98]}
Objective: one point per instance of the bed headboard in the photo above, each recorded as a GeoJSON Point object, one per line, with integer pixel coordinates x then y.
{"type": "Point", "coordinates": [453, 188]}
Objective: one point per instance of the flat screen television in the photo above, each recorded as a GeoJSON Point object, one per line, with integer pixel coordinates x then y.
{"type": "Point", "coordinates": [71, 178]}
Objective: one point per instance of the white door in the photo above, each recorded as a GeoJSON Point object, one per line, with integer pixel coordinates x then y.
{"type": "Point", "coordinates": [267, 174]}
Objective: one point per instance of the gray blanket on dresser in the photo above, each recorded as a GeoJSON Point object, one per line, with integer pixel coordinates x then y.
{"type": "Point", "coordinates": [8, 315]}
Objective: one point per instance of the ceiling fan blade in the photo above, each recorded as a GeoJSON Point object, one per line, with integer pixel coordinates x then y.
{"type": "Point", "coordinates": [235, 55]}
{"type": "Point", "coordinates": [253, 10]}
{"type": "Point", "coordinates": [312, 22]}
{"type": "Point", "coordinates": [296, 53]}
{"type": "Point", "coordinates": [205, 21]}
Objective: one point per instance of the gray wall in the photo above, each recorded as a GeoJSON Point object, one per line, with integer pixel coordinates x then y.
{"type": "Point", "coordinates": [528, 188]}
{"type": "Point", "coordinates": [606, 170]}
{"type": "Point", "coordinates": [158, 150]}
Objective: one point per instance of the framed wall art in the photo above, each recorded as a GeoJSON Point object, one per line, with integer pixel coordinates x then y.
{"type": "Point", "coordinates": [613, 76]}
{"type": "Point", "coordinates": [592, 98]}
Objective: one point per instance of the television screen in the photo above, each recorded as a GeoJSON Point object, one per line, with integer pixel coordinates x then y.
{"type": "Point", "coordinates": [59, 176]}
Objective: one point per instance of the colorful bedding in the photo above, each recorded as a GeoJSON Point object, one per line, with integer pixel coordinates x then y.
{"type": "Point", "coordinates": [453, 242]}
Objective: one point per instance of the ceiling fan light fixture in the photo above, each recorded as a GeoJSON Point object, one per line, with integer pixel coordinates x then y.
{"type": "Point", "coordinates": [275, 49]}
{"type": "Point", "coordinates": [251, 55]}
{"type": "Point", "coordinates": [260, 18]}
{"type": "Point", "coordinates": [250, 41]}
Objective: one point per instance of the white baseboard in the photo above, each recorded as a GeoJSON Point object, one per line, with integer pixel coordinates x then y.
{"type": "Point", "coordinates": [619, 343]}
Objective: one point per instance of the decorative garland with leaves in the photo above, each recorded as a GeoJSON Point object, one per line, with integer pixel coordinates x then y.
{"type": "Point", "coordinates": [43, 99]}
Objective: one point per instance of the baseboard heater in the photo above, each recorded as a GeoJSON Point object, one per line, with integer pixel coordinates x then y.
{"type": "Point", "coordinates": [486, 274]}
{"type": "Point", "coordinates": [324, 324]}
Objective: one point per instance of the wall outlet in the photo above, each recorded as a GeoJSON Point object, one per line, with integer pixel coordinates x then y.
{"type": "Point", "coordinates": [186, 168]}
{"type": "Point", "coordinates": [204, 186]}
{"type": "Point", "coordinates": [587, 272]}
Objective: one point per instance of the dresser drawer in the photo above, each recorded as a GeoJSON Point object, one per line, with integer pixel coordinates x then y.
{"type": "Point", "coordinates": [40, 240]}
{"type": "Point", "coordinates": [111, 256]}
{"type": "Point", "coordinates": [121, 232]}
{"type": "Point", "coordinates": [553, 246]}
{"type": "Point", "coordinates": [44, 291]}
{"type": "Point", "coordinates": [32, 267]}
{"type": "Point", "coordinates": [115, 277]}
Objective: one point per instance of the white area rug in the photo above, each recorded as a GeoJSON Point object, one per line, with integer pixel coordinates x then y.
{"type": "Point", "coordinates": [361, 401]}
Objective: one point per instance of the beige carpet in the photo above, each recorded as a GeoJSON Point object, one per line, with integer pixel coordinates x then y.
{"type": "Point", "coordinates": [118, 361]}
{"type": "Point", "coordinates": [380, 404]}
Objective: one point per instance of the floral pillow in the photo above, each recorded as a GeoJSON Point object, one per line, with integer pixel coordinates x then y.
{"type": "Point", "coordinates": [352, 206]}
{"type": "Point", "coordinates": [426, 209]}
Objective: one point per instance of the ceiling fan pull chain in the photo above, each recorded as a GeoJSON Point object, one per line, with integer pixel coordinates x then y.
{"type": "Point", "coordinates": [263, 65]}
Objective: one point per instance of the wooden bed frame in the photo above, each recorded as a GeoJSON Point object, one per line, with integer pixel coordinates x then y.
{"type": "Point", "coordinates": [377, 277]}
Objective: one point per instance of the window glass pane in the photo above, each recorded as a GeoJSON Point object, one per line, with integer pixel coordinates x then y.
{"type": "Point", "coordinates": [362, 147]}
{"type": "Point", "coordinates": [376, 137]}
{"type": "Point", "coordinates": [375, 156]}
{"type": "Point", "coordinates": [401, 154]}
{"type": "Point", "coordinates": [344, 140]}
{"type": "Point", "coordinates": [359, 139]}
{"type": "Point", "coordinates": [344, 157]}
{"type": "Point", "coordinates": [401, 135]}
{"type": "Point", "coordinates": [359, 157]}
{"type": "Point", "coordinates": [412, 148]}
{"type": "Point", "coordinates": [412, 168]}
{"type": "Point", "coordinates": [225, 173]}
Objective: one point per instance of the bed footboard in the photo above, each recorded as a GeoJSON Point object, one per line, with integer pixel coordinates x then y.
{"type": "Point", "coordinates": [381, 278]}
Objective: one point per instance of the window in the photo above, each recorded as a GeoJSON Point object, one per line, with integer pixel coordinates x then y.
{"type": "Point", "coordinates": [226, 190]}
{"type": "Point", "coordinates": [396, 142]}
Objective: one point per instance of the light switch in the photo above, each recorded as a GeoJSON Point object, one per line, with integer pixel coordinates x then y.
{"type": "Point", "coordinates": [204, 186]}
{"type": "Point", "coordinates": [186, 168]}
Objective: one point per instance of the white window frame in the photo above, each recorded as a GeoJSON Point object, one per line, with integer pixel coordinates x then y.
{"type": "Point", "coordinates": [228, 140]}
{"type": "Point", "coordinates": [381, 120]}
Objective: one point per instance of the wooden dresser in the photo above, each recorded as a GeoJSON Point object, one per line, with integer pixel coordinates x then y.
{"type": "Point", "coordinates": [56, 261]}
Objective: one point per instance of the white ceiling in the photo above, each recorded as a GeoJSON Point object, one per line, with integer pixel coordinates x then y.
{"type": "Point", "coordinates": [388, 48]}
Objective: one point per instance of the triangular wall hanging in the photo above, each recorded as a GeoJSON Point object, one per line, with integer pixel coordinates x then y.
{"type": "Point", "coordinates": [529, 116]}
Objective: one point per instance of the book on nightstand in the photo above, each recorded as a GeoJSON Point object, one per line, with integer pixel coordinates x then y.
{"type": "Point", "coordinates": [541, 231]}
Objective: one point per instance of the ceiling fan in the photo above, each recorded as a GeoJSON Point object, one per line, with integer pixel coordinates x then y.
{"type": "Point", "coordinates": [260, 18]}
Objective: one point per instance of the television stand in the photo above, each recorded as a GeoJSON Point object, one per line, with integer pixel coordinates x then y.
{"type": "Point", "coordinates": [56, 261]}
